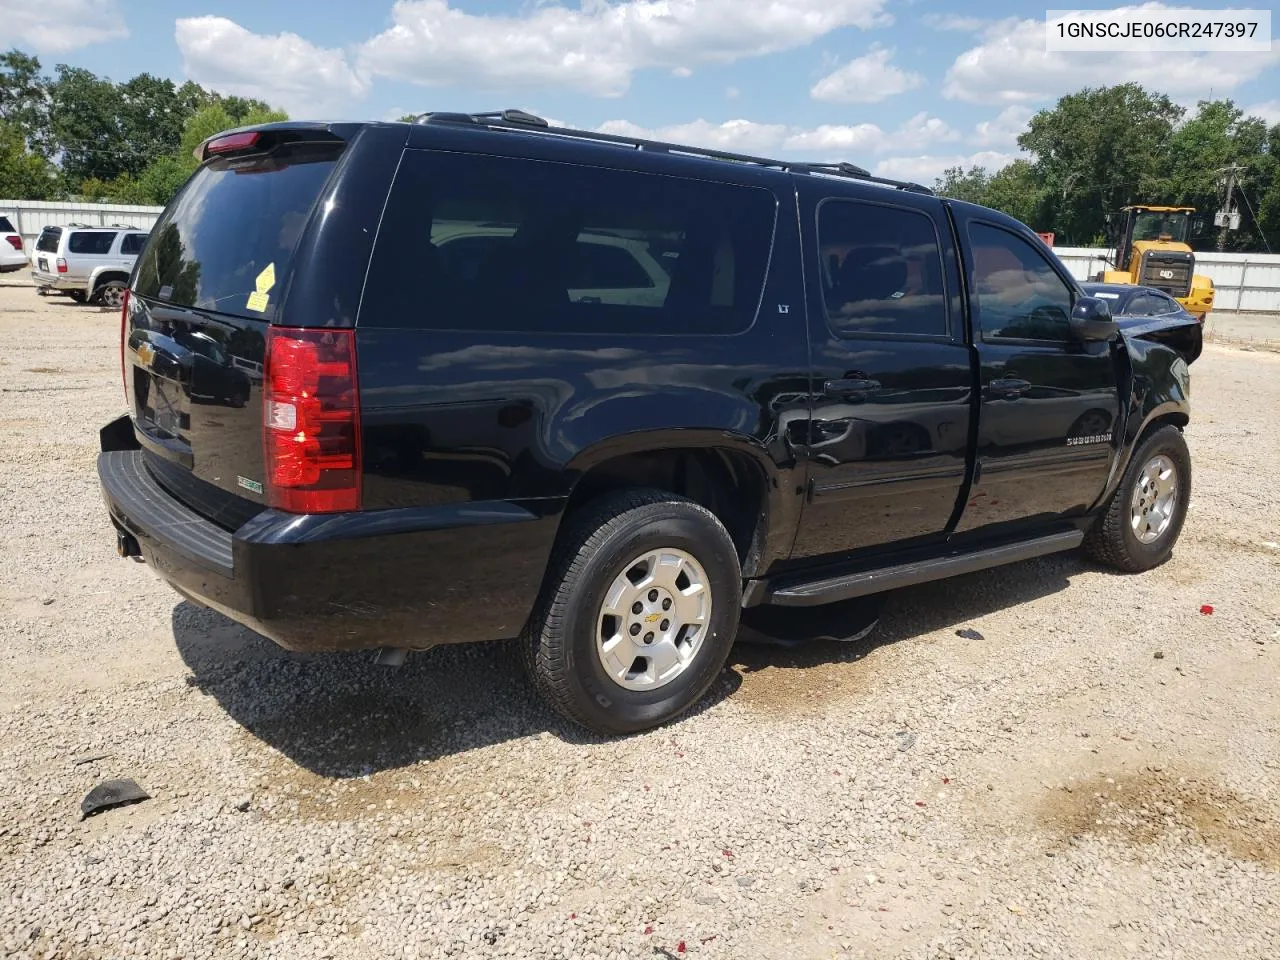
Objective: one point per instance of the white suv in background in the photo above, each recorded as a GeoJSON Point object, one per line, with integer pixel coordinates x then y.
{"type": "Point", "coordinates": [12, 254]}
{"type": "Point", "coordinates": [87, 263]}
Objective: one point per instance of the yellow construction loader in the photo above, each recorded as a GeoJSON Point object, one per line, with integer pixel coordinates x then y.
{"type": "Point", "coordinates": [1151, 249]}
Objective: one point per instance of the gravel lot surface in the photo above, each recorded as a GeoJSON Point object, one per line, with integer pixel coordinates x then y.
{"type": "Point", "coordinates": [1099, 776]}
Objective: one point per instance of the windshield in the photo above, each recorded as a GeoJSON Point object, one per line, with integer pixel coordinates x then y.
{"type": "Point", "coordinates": [234, 225]}
{"type": "Point", "coordinates": [1170, 227]}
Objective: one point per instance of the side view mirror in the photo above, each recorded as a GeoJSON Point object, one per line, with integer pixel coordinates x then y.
{"type": "Point", "coordinates": [1091, 320]}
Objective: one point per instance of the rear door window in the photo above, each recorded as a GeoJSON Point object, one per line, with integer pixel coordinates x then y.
{"type": "Point", "coordinates": [92, 243]}
{"type": "Point", "coordinates": [233, 220]}
{"type": "Point", "coordinates": [881, 270]}
{"type": "Point", "coordinates": [498, 243]}
{"type": "Point", "coordinates": [48, 242]}
{"type": "Point", "coordinates": [132, 244]}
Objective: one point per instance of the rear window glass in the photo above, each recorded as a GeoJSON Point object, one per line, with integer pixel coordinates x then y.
{"type": "Point", "coordinates": [48, 242]}
{"type": "Point", "coordinates": [234, 219]}
{"type": "Point", "coordinates": [133, 243]}
{"type": "Point", "coordinates": [6, 226]}
{"type": "Point", "coordinates": [91, 243]}
{"type": "Point", "coordinates": [498, 243]}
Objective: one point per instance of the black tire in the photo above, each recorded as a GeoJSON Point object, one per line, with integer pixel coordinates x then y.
{"type": "Point", "coordinates": [559, 648]}
{"type": "Point", "coordinates": [1111, 540]}
{"type": "Point", "coordinates": [101, 293]}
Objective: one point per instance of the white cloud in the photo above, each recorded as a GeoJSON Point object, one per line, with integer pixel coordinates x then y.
{"type": "Point", "coordinates": [925, 169]}
{"type": "Point", "coordinates": [1003, 129]}
{"type": "Point", "coordinates": [284, 70]}
{"type": "Point", "coordinates": [1011, 65]}
{"type": "Point", "coordinates": [1269, 111]}
{"type": "Point", "coordinates": [954, 21]}
{"type": "Point", "coordinates": [598, 46]}
{"type": "Point", "coordinates": [868, 79]}
{"type": "Point", "coordinates": [829, 139]}
{"type": "Point", "coordinates": [733, 93]}
{"type": "Point", "coordinates": [920, 131]}
{"type": "Point", "coordinates": [826, 142]}
{"type": "Point", "coordinates": [56, 26]}
{"type": "Point", "coordinates": [735, 136]}
{"type": "Point", "coordinates": [682, 72]}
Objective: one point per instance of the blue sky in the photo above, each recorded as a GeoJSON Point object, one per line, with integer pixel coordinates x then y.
{"type": "Point", "coordinates": [905, 87]}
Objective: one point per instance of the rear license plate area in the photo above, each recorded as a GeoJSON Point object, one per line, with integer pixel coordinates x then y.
{"type": "Point", "coordinates": [163, 403]}
{"type": "Point", "coordinates": [44, 265]}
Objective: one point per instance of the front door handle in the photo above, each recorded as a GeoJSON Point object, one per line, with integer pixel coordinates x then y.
{"type": "Point", "coordinates": [1007, 387]}
{"type": "Point", "coordinates": [850, 388]}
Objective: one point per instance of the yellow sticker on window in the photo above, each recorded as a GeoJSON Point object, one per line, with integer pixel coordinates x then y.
{"type": "Point", "coordinates": [266, 280]}
{"type": "Point", "coordinates": [257, 301]}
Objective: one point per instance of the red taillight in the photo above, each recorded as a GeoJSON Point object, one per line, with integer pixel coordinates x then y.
{"type": "Point", "coordinates": [15, 241]}
{"type": "Point", "coordinates": [232, 142]}
{"type": "Point", "coordinates": [311, 420]}
{"type": "Point", "coordinates": [124, 334]}
{"type": "Point", "coordinates": [62, 265]}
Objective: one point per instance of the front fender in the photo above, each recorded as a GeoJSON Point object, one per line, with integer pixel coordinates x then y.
{"type": "Point", "coordinates": [1159, 388]}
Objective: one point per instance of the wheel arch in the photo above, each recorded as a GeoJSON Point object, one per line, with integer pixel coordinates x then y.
{"type": "Point", "coordinates": [104, 274]}
{"type": "Point", "coordinates": [730, 475]}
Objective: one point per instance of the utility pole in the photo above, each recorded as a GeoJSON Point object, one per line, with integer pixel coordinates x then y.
{"type": "Point", "coordinates": [1231, 172]}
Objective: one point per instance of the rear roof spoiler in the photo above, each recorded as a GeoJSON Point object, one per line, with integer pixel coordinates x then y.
{"type": "Point", "coordinates": [270, 135]}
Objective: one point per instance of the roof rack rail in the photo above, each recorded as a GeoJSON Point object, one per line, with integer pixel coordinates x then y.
{"type": "Point", "coordinates": [519, 120]}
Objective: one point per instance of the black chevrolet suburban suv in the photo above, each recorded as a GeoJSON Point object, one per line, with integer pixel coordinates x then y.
{"type": "Point", "coordinates": [396, 385]}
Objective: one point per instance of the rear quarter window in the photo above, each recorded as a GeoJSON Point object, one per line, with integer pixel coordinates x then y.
{"type": "Point", "coordinates": [475, 242]}
{"type": "Point", "coordinates": [132, 244]}
{"type": "Point", "coordinates": [6, 226]}
{"type": "Point", "coordinates": [95, 243]}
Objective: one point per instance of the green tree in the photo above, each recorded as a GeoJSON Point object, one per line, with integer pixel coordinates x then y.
{"type": "Point", "coordinates": [959, 184]}
{"type": "Point", "coordinates": [1218, 137]}
{"type": "Point", "coordinates": [162, 179]}
{"type": "Point", "coordinates": [1098, 150]}
{"type": "Point", "coordinates": [1018, 191]}
{"type": "Point", "coordinates": [1265, 197]}
{"type": "Point", "coordinates": [24, 99]}
{"type": "Point", "coordinates": [151, 119]}
{"type": "Point", "coordinates": [24, 174]}
{"type": "Point", "coordinates": [84, 119]}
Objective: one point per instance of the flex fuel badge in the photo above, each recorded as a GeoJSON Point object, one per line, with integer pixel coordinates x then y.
{"type": "Point", "coordinates": [260, 297]}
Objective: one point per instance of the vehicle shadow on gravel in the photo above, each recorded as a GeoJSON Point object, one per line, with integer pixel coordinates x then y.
{"type": "Point", "coordinates": [341, 715]}
{"type": "Point", "coordinates": [912, 611]}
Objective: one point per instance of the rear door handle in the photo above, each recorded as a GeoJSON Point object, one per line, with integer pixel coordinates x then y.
{"type": "Point", "coordinates": [1010, 387]}
{"type": "Point", "coordinates": [850, 387]}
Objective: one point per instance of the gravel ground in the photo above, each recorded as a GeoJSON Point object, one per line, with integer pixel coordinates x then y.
{"type": "Point", "coordinates": [1098, 776]}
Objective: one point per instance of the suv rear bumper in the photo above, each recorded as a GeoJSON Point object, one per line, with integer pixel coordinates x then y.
{"type": "Point", "coordinates": [402, 577]}
{"type": "Point", "coordinates": [57, 281]}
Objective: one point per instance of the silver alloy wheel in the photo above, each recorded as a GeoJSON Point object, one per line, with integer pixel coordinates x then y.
{"type": "Point", "coordinates": [113, 296]}
{"type": "Point", "coordinates": [653, 620]}
{"type": "Point", "coordinates": [1155, 499]}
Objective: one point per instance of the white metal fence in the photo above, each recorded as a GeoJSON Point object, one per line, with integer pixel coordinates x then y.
{"type": "Point", "coordinates": [1244, 282]}
{"type": "Point", "coordinates": [29, 217]}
